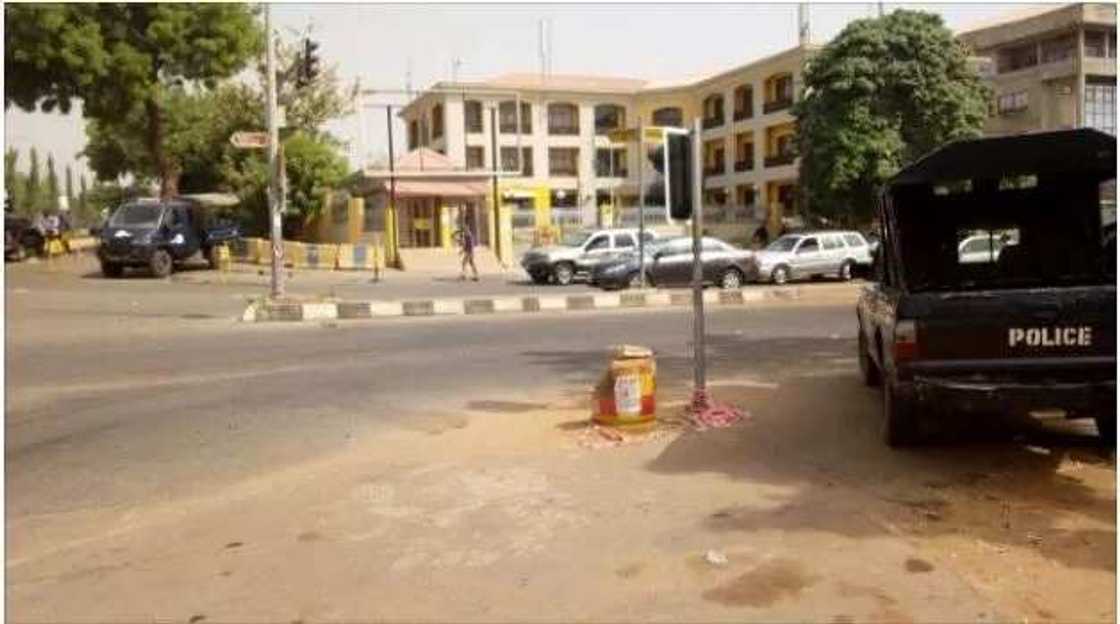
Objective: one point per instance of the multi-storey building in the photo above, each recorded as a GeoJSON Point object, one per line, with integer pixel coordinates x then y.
{"type": "Point", "coordinates": [552, 134]}
{"type": "Point", "coordinates": [1049, 68]}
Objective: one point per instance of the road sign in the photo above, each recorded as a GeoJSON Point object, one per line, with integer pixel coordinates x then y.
{"type": "Point", "coordinates": [249, 140]}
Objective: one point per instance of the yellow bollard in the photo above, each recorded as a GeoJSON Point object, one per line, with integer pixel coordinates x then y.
{"type": "Point", "coordinates": [625, 394]}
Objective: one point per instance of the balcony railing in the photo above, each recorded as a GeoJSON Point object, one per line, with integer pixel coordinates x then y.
{"type": "Point", "coordinates": [744, 165]}
{"type": "Point", "coordinates": [780, 159]}
{"type": "Point", "coordinates": [714, 170]}
{"type": "Point", "coordinates": [713, 122]}
{"type": "Point", "coordinates": [562, 129]}
{"type": "Point", "coordinates": [740, 115]}
{"type": "Point", "coordinates": [776, 105]}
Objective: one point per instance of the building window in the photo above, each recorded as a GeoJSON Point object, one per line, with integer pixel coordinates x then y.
{"type": "Point", "coordinates": [437, 121]}
{"type": "Point", "coordinates": [507, 117]}
{"type": "Point", "coordinates": [413, 134]}
{"type": "Point", "coordinates": [715, 197]}
{"type": "Point", "coordinates": [1018, 57]}
{"type": "Point", "coordinates": [563, 198]}
{"type": "Point", "coordinates": [609, 117]}
{"type": "Point", "coordinates": [476, 158]}
{"type": "Point", "coordinates": [744, 102]}
{"type": "Point", "coordinates": [713, 158]}
{"type": "Point", "coordinates": [563, 161]}
{"type": "Point", "coordinates": [779, 93]}
{"type": "Point", "coordinates": [1094, 44]}
{"type": "Point", "coordinates": [1100, 105]}
{"type": "Point", "coordinates": [610, 163]}
{"type": "Point", "coordinates": [744, 151]}
{"type": "Point", "coordinates": [472, 116]}
{"type": "Point", "coordinates": [510, 162]}
{"type": "Point", "coordinates": [713, 111]}
{"type": "Point", "coordinates": [527, 162]}
{"type": "Point", "coordinates": [603, 198]}
{"type": "Point", "coordinates": [563, 118]}
{"type": "Point", "coordinates": [744, 195]}
{"type": "Point", "coordinates": [1012, 103]}
{"type": "Point", "coordinates": [779, 146]}
{"type": "Point", "coordinates": [670, 116]}
{"type": "Point", "coordinates": [1059, 49]}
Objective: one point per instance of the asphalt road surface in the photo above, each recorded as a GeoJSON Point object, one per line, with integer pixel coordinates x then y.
{"type": "Point", "coordinates": [139, 409]}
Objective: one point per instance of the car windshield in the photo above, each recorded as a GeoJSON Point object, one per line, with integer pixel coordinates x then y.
{"type": "Point", "coordinates": [785, 243]}
{"type": "Point", "coordinates": [575, 239]}
{"type": "Point", "coordinates": [136, 215]}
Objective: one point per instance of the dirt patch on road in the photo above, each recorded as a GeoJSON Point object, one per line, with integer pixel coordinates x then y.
{"type": "Point", "coordinates": [763, 586]}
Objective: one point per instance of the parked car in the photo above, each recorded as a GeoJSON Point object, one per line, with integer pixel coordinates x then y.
{"type": "Point", "coordinates": [813, 254]}
{"type": "Point", "coordinates": [156, 235]}
{"type": "Point", "coordinates": [577, 254]}
{"type": "Point", "coordinates": [1035, 327]}
{"type": "Point", "coordinates": [21, 238]}
{"type": "Point", "coordinates": [669, 263]}
{"type": "Point", "coordinates": [982, 248]}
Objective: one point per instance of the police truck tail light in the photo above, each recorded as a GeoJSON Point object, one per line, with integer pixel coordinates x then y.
{"type": "Point", "coordinates": [905, 341]}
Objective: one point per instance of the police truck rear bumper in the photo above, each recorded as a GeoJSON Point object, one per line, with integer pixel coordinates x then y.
{"type": "Point", "coordinates": [1010, 397]}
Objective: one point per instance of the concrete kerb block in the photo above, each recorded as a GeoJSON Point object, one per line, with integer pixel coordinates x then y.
{"type": "Point", "coordinates": [379, 309]}
{"type": "Point", "coordinates": [418, 308]}
{"type": "Point", "coordinates": [448, 307]}
{"type": "Point", "coordinates": [250, 314]}
{"type": "Point", "coordinates": [659, 299]}
{"type": "Point", "coordinates": [580, 302]}
{"type": "Point", "coordinates": [479, 306]}
{"type": "Point", "coordinates": [320, 311]}
{"type": "Point", "coordinates": [354, 310]}
{"type": "Point", "coordinates": [607, 300]}
{"type": "Point", "coordinates": [507, 304]}
{"type": "Point", "coordinates": [632, 300]}
{"type": "Point", "coordinates": [552, 303]}
{"type": "Point", "coordinates": [281, 312]}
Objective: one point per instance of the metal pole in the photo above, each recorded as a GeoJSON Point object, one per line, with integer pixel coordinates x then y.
{"type": "Point", "coordinates": [392, 184]}
{"type": "Point", "coordinates": [275, 233]}
{"type": "Point", "coordinates": [698, 346]}
{"type": "Point", "coordinates": [641, 207]}
{"type": "Point", "coordinates": [494, 164]}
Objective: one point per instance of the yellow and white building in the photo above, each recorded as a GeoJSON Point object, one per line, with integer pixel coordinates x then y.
{"type": "Point", "coordinates": [563, 169]}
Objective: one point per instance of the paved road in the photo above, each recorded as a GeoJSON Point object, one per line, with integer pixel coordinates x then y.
{"type": "Point", "coordinates": [129, 419]}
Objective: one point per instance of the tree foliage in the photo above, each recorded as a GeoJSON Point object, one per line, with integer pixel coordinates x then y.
{"type": "Point", "coordinates": [117, 58]}
{"type": "Point", "coordinates": [33, 190]}
{"type": "Point", "coordinates": [52, 183]}
{"type": "Point", "coordinates": [12, 182]}
{"type": "Point", "coordinates": [879, 96]}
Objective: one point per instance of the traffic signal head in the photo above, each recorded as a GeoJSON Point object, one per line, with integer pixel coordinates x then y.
{"type": "Point", "coordinates": [680, 176]}
{"type": "Point", "coordinates": [311, 60]}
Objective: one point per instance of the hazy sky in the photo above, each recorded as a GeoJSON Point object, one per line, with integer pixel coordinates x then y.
{"type": "Point", "coordinates": [378, 43]}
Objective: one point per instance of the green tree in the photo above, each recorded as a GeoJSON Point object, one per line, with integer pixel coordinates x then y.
{"type": "Point", "coordinates": [33, 190]}
{"type": "Point", "coordinates": [83, 190]}
{"type": "Point", "coordinates": [12, 183]}
{"type": "Point", "coordinates": [117, 58]}
{"type": "Point", "coordinates": [879, 96]}
{"type": "Point", "coordinates": [52, 184]}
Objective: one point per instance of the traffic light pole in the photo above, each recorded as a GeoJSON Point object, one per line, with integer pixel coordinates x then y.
{"type": "Point", "coordinates": [641, 207]}
{"type": "Point", "coordinates": [699, 349]}
{"type": "Point", "coordinates": [275, 234]}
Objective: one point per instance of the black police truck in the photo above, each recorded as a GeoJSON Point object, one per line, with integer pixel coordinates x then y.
{"type": "Point", "coordinates": [157, 235]}
{"type": "Point", "coordinates": [994, 289]}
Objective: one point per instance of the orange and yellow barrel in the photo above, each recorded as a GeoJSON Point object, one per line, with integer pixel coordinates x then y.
{"type": "Point", "coordinates": [624, 396]}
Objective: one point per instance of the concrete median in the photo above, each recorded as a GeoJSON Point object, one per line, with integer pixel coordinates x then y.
{"type": "Point", "coordinates": [475, 306]}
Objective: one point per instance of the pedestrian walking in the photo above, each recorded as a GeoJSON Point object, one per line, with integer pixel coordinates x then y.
{"type": "Point", "coordinates": [466, 248]}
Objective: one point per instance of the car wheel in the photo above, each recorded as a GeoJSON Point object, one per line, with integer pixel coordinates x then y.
{"type": "Point", "coordinates": [867, 366]}
{"type": "Point", "coordinates": [732, 279]}
{"type": "Point", "coordinates": [563, 273]}
{"type": "Point", "coordinates": [539, 277]}
{"type": "Point", "coordinates": [780, 275]}
{"type": "Point", "coordinates": [901, 418]}
{"type": "Point", "coordinates": [846, 271]}
{"type": "Point", "coordinates": [160, 263]}
{"type": "Point", "coordinates": [111, 269]}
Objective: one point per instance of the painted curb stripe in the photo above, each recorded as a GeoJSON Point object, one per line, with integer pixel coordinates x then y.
{"type": "Point", "coordinates": [320, 311]}
{"type": "Point", "coordinates": [431, 307]}
{"type": "Point", "coordinates": [418, 308]}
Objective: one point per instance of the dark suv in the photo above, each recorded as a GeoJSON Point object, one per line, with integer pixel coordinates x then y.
{"type": "Point", "coordinates": [1029, 326]}
{"type": "Point", "coordinates": [158, 234]}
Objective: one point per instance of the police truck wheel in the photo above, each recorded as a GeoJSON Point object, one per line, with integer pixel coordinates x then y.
{"type": "Point", "coordinates": [901, 426]}
{"type": "Point", "coordinates": [111, 269]}
{"type": "Point", "coordinates": [780, 275]}
{"type": "Point", "coordinates": [867, 365]}
{"type": "Point", "coordinates": [160, 263]}
{"type": "Point", "coordinates": [563, 273]}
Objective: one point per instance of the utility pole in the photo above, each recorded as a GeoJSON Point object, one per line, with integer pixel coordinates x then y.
{"type": "Point", "coordinates": [642, 155]}
{"type": "Point", "coordinates": [699, 373]}
{"type": "Point", "coordinates": [497, 242]}
{"type": "Point", "coordinates": [275, 233]}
